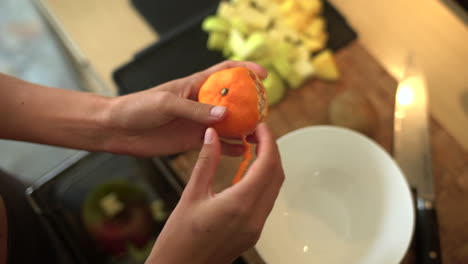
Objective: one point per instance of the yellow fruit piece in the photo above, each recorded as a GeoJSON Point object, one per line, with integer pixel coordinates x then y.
{"type": "Point", "coordinates": [298, 21]}
{"type": "Point", "coordinates": [254, 18]}
{"type": "Point", "coordinates": [226, 10]}
{"type": "Point", "coordinates": [289, 6]}
{"type": "Point", "coordinates": [325, 66]}
{"type": "Point", "coordinates": [313, 44]}
{"type": "Point", "coordinates": [315, 27]}
{"type": "Point", "coordinates": [311, 7]}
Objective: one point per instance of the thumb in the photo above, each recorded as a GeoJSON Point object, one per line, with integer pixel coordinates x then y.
{"type": "Point", "coordinates": [198, 112]}
{"type": "Point", "coordinates": [203, 173]}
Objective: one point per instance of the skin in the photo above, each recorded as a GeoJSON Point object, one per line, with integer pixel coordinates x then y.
{"type": "Point", "coordinates": [205, 227]}
{"type": "Point", "coordinates": [218, 227]}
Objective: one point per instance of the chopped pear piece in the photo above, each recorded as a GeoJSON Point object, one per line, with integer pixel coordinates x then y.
{"type": "Point", "coordinates": [302, 64]}
{"type": "Point", "coordinates": [240, 25]}
{"type": "Point", "coordinates": [325, 66]}
{"type": "Point", "coordinates": [274, 87]}
{"type": "Point", "coordinates": [236, 58]}
{"type": "Point", "coordinates": [256, 45]}
{"type": "Point", "coordinates": [295, 80]}
{"type": "Point", "coordinates": [283, 66]}
{"type": "Point", "coordinates": [215, 24]}
{"type": "Point", "coordinates": [237, 44]}
{"type": "Point", "coordinates": [216, 41]}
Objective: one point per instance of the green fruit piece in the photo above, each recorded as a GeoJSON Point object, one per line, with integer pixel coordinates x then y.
{"type": "Point", "coordinates": [285, 49]}
{"type": "Point", "coordinates": [240, 25]}
{"type": "Point", "coordinates": [237, 44]}
{"type": "Point", "coordinates": [274, 87]}
{"type": "Point", "coordinates": [266, 61]}
{"type": "Point", "coordinates": [227, 50]}
{"type": "Point", "coordinates": [125, 192]}
{"type": "Point", "coordinates": [256, 45]}
{"type": "Point", "coordinates": [235, 58]}
{"type": "Point", "coordinates": [283, 66]}
{"type": "Point", "coordinates": [215, 24]}
{"type": "Point", "coordinates": [216, 41]}
{"type": "Point", "coordinates": [294, 80]}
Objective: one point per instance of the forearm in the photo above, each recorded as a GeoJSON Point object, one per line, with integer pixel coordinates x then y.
{"type": "Point", "coordinates": [53, 116]}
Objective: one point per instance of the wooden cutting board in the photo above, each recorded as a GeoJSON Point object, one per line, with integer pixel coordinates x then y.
{"type": "Point", "coordinates": [308, 106]}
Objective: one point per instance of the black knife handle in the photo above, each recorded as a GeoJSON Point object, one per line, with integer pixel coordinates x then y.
{"type": "Point", "coordinates": [427, 234]}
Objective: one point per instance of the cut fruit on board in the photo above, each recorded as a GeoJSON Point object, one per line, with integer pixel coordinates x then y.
{"type": "Point", "coordinates": [284, 36]}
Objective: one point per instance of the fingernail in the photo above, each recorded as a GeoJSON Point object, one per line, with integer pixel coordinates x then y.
{"type": "Point", "coordinates": [209, 135]}
{"type": "Point", "coordinates": [217, 111]}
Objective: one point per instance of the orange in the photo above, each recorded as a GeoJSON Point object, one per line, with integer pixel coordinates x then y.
{"type": "Point", "coordinates": [242, 93]}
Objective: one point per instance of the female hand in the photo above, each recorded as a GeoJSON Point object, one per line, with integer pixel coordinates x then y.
{"type": "Point", "coordinates": [208, 227]}
{"type": "Point", "coordinates": [167, 119]}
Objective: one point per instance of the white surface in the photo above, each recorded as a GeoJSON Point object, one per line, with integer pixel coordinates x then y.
{"type": "Point", "coordinates": [344, 200]}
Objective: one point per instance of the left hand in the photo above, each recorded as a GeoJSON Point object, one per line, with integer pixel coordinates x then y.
{"type": "Point", "coordinates": [167, 119]}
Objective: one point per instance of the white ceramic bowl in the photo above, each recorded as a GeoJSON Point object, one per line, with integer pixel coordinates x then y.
{"type": "Point", "coordinates": [344, 200]}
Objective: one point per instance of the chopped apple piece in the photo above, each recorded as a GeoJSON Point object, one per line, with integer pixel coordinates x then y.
{"type": "Point", "coordinates": [325, 66]}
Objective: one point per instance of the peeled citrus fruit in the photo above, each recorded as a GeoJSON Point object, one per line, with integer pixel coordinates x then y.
{"type": "Point", "coordinates": [242, 93]}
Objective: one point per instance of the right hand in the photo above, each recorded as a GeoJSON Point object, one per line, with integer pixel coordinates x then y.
{"type": "Point", "coordinates": [208, 227]}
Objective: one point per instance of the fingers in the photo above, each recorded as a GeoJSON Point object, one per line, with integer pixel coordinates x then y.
{"type": "Point", "coordinates": [202, 175]}
{"type": "Point", "coordinates": [232, 149]}
{"type": "Point", "coordinates": [172, 105]}
{"type": "Point", "coordinates": [258, 69]}
{"type": "Point", "coordinates": [267, 167]}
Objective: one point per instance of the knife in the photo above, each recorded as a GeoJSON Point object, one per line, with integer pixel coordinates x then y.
{"type": "Point", "coordinates": [412, 152]}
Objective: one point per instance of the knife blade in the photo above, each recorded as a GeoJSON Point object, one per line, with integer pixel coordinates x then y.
{"type": "Point", "coordinates": [412, 151]}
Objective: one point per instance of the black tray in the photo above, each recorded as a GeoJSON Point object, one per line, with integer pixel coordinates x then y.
{"type": "Point", "coordinates": [182, 50]}
{"type": "Point", "coordinates": [57, 197]}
